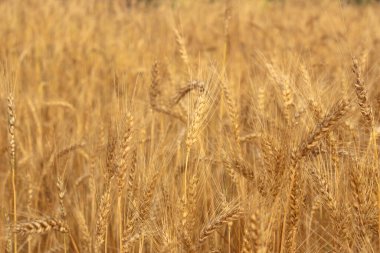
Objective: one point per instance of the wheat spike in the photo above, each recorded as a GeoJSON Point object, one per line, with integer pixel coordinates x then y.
{"type": "Point", "coordinates": [323, 128]}
{"type": "Point", "coordinates": [103, 215]}
{"type": "Point", "coordinates": [232, 111]}
{"type": "Point", "coordinates": [251, 239]}
{"type": "Point", "coordinates": [154, 94]}
{"type": "Point", "coordinates": [147, 198]}
{"type": "Point", "coordinates": [61, 195]}
{"type": "Point", "coordinates": [197, 120]}
{"type": "Point", "coordinates": [361, 93]}
{"type": "Point", "coordinates": [183, 91]}
{"type": "Point", "coordinates": [228, 214]}
{"type": "Point", "coordinates": [240, 167]}
{"type": "Point", "coordinates": [11, 131]}
{"type": "Point", "coordinates": [39, 226]}
{"type": "Point", "coordinates": [84, 232]}
{"type": "Point", "coordinates": [182, 48]}
{"type": "Point", "coordinates": [126, 150]}
{"type": "Point", "coordinates": [294, 213]}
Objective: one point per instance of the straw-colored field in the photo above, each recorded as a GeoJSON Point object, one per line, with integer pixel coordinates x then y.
{"type": "Point", "coordinates": [189, 126]}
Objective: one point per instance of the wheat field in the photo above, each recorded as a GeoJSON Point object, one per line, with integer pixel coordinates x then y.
{"type": "Point", "coordinates": [189, 126]}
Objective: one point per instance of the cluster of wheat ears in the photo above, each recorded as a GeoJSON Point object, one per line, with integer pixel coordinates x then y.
{"type": "Point", "coordinates": [189, 126]}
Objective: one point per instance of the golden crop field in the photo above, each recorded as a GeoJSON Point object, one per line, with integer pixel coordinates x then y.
{"type": "Point", "coordinates": [189, 126]}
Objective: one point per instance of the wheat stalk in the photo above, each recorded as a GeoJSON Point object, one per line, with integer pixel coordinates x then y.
{"type": "Point", "coordinates": [12, 152]}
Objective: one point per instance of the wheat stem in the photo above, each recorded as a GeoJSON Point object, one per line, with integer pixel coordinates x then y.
{"type": "Point", "coordinates": [12, 148]}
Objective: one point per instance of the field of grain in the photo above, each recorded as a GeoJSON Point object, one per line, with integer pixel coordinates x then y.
{"type": "Point", "coordinates": [189, 126]}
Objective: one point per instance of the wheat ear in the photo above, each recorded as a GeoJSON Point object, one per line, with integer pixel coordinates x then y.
{"type": "Point", "coordinates": [84, 232]}
{"type": "Point", "coordinates": [251, 238]}
{"type": "Point", "coordinates": [361, 93]}
{"type": "Point", "coordinates": [228, 214]}
{"type": "Point", "coordinates": [154, 94]}
{"type": "Point", "coordinates": [40, 226]}
{"type": "Point", "coordinates": [126, 149]}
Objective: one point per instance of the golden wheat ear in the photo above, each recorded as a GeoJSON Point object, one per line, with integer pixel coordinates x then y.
{"type": "Point", "coordinates": [40, 226]}
{"type": "Point", "coordinates": [361, 93]}
{"type": "Point", "coordinates": [230, 213]}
